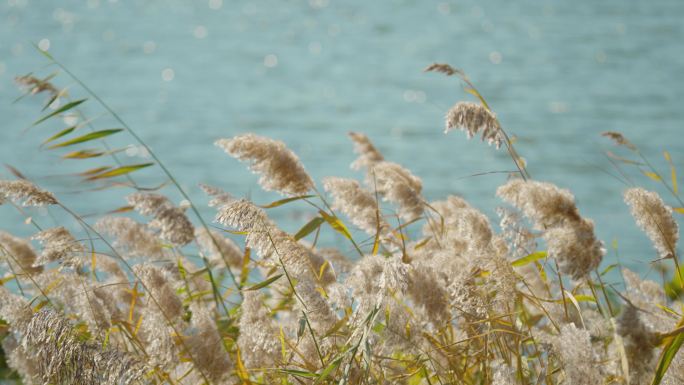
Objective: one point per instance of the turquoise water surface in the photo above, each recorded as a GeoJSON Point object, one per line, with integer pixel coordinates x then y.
{"type": "Point", "coordinates": [184, 73]}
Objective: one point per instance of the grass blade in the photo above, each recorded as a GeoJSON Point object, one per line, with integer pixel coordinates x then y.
{"type": "Point", "coordinates": [264, 283]}
{"type": "Point", "coordinates": [672, 345]}
{"type": "Point", "coordinates": [58, 111]}
{"type": "Point", "coordinates": [308, 228]}
{"type": "Point", "coordinates": [529, 258]}
{"type": "Point", "coordinates": [284, 201]}
{"type": "Point", "coordinates": [87, 137]}
{"type": "Point", "coordinates": [119, 171]}
{"type": "Point", "coordinates": [58, 135]}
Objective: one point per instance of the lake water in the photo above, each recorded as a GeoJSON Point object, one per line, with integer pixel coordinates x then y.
{"type": "Point", "coordinates": [184, 73]}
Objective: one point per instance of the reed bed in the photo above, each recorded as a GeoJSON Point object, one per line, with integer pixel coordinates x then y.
{"type": "Point", "coordinates": [431, 292]}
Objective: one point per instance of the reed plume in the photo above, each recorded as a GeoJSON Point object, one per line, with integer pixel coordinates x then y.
{"type": "Point", "coordinates": [473, 119]}
{"type": "Point", "coordinates": [58, 245]}
{"type": "Point", "coordinates": [174, 225]}
{"type": "Point", "coordinates": [369, 156]}
{"type": "Point", "coordinates": [279, 168]}
{"type": "Point", "coordinates": [358, 204]}
{"type": "Point", "coordinates": [25, 192]}
{"type": "Point", "coordinates": [133, 237]}
{"type": "Point", "coordinates": [654, 217]}
{"type": "Point", "coordinates": [570, 237]}
{"type": "Point", "coordinates": [397, 185]}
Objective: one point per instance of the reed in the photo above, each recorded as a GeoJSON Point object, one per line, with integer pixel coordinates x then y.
{"type": "Point", "coordinates": [147, 294]}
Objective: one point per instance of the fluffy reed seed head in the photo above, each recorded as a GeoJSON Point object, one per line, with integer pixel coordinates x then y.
{"type": "Point", "coordinates": [18, 252]}
{"type": "Point", "coordinates": [543, 203]}
{"type": "Point", "coordinates": [570, 238]}
{"type": "Point", "coordinates": [279, 168]}
{"type": "Point", "coordinates": [575, 247]}
{"type": "Point", "coordinates": [62, 358]}
{"type": "Point", "coordinates": [639, 342]}
{"type": "Point", "coordinates": [217, 247]}
{"type": "Point", "coordinates": [258, 339]}
{"type": "Point", "coordinates": [357, 203]}
{"type": "Point", "coordinates": [161, 288]}
{"type": "Point", "coordinates": [219, 197]}
{"type": "Point", "coordinates": [58, 245]}
{"type": "Point", "coordinates": [15, 310]}
{"type": "Point", "coordinates": [25, 192]}
{"type": "Point", "coordinates": [573, 347]}
{"type": "Point", "coordinates": [132, 236]}
{"type": "Point", "coordinates": [369, 156]}
{"type": "Point", "coordinates": [206, 344]}
{"type": "Point", "coordinates": [174, 225]}
{"type": "Point", "coordinates": [473, 119]}
{"type": "Point", "coordinates": [397, 185]}
{"type": "Point", "coordinates": [654, 217]}
{"type": "Point", "coordinates": [266, 239]}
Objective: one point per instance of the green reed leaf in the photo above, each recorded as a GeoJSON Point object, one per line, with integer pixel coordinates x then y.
{"type": "Point", "coordinates": [87, 137]}
{"type": "Point", "coordinates": [328, 370]}
{"type": "Point", "coordinates": [58, 111]}
{"type": "Point", "coordinates": [58, 135]}
{"type": "Point", "coordinates": [529, 258]}
{"type": "Point", "coordinates": [264, 283]}
{"type": "Point", "coordinates": [308, 228]}
{"type": "Point", "coordinates": [83, 154]}
{"type": "Point", "coordinates": [336, 224]}
{"type": "Point", "coordinates": [286, 200]}
{"type": "Point", "coordinates": [668, 353]}
{"type": "Point", "coordinates": [120, 171]}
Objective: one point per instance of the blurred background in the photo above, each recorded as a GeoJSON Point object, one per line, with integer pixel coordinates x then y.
{"type": "Point", "coordinates": [185, 73]}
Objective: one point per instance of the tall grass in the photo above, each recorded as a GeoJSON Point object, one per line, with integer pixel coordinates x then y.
{"type": "Point", "coordinates": [431, 294]}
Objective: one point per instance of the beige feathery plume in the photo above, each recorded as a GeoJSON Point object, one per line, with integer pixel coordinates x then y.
{"type": "Point", "coordinates": [544, 203]}
{"type": "Point", "coordinates": [132, 236]}
{"type": "Point", "coordinates": [25, 192]}
{"type": "Point", "coordinates": [18, 252]}
{"type": "Point", "coordinates": [639, 342]}
{"type": "Point", "coordinates": [219, 197]}
{"type": "Point", "coordinates": [14, 310]}
{"type": "Point", "coordinates": [570, 238]}
{"type": "Point", "coordinates": [473, 119]}
{"type": "Point", "coordinates": [521, 239]}
{"type": "Point", "coordinates": [397, 185]}
{"type": "Point", "coordinates": [63, 358]}
{"type": "Point", "coordinates": [243, 215]}
{"type": "Point", "coordinates": [358, 204]}
{"type": "Point", "coordinates": [318, 310]}
{"type": "Point", "coordinates": [161, 288]}
{"type": "Point", "coordinates": [174, 225]}
{"type": "Point", "coordinates": [463, 224]}
{"type": "Point", "coordinates": [369, 156]}
{"type": "Point", "coordinates": [18, 359]}
{"type": "Point", "coordinates": [573, 348]}
{"type": "Point", "coordinates": [258, 339]}
{"type": "Point", "coordinates": [267, 240]}
{"type": "Point", "coordinates": [427, 289]}
{"type": "Point", "coordinates": [575, 248]}
{"type": "Point", "coordinates": [654, 217]}
{"type": "Point", "coordinates": [217, 247]}
{"type": "Point", "coordinates": [206, 344]}
{"type": "Point", "coordinates": [279, 168]}
{"type": "Point", "coordinates": [58, 245]}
